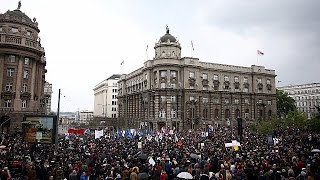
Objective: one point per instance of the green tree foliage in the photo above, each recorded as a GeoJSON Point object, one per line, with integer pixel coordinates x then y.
{"type": "Point", "coordinates": [285, 104]}
{"type": "Point", "coordinates": [293, 119]}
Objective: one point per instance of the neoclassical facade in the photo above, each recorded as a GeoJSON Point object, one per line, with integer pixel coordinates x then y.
{"type": "Point", "coordinates": [306, 96]}
{"type": "Point", "coordinates": [186, 93]}
{"type": "Point", "coordinates": [22, 67]}
{"type": "Point", "coordinates": [105, 97]}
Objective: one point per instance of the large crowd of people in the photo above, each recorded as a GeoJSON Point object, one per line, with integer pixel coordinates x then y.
{"type": "Point", "coordinates": [290, 154]}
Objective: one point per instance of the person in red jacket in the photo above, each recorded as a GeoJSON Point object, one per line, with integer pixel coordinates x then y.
{"type": "Point", "coordinates": [164, 175]}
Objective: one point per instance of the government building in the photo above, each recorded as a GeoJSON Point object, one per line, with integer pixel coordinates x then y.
{"type": "Point", "coordinates": [22, 69]}
{"type": "Point", "coordinates": [306, 96]}
{"type": "Point", "coordinates": [105, 97]}
{"type": "Point", "coordinates": [185, 93]}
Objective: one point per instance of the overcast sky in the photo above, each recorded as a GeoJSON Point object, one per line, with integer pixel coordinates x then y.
{"type": "Point", "coordinates": [85, 41]}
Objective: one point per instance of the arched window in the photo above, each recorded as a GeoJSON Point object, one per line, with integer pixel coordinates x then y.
{"type": "Point", "coordinates": [269, 114]}
{"type": "Point", "coordinates": [205, 113]}
{"type": "Point", "coordinates": [173, 53]}
{"type": "Point", "coordinates": [237, 113]}
{"type": "Point", "coordinates": [261, 113]}
{"type": "Point", "coordinates": [227, 114]}
{"type": "Point", "coordinates": [216, 113]}
{"type": "Point", "coordinates": [246, 114]}
{"type": "Point", "coordinates": [163, 53]}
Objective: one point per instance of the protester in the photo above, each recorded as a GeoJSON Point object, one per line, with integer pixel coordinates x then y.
{"type": "Point", "coordinates": [165, 154]}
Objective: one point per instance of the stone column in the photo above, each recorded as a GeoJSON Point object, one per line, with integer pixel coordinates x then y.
{"type": "Point", "coordinates": [33, 84]}
{"type": "Point", "coordinates": [19, 77]}
{"type": "Point", "coordinates": [156, 109]}
{"type": "Point", "coordinates": [168, 107]}
{"type": "Point", "coordinates": [2, 59]}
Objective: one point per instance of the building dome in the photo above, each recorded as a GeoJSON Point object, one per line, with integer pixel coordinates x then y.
{"type": "Point", "coordinates": [16, 16]}
{"type": "Point", "coordinates": [167, 37]}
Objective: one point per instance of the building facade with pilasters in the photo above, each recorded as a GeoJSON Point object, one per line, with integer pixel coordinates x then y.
{"type": "Point", "coordinates": [22, 69]}
{"type": "Point", "coordinates": [186, 93]}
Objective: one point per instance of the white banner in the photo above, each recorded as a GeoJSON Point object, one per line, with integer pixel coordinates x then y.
{"type": "Point", "coordinates": [98, 134]}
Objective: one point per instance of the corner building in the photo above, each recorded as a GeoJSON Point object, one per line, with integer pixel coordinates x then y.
{"type": "Point", "coordinates": [22, 69]}
{"type": "Point", "coordinates": [186, 93]}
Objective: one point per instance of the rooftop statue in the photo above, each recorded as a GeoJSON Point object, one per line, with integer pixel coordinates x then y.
{"type": "Point", "coordinates": [19, 5]}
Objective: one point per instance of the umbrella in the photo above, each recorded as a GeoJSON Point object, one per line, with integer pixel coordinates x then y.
{"type": "Point", "coordinates": [2, 146]}
{"type": "Point", "coordinates": [194, 156]}
{"type": "Point", "coordinates": [315, 150]}
{"type": "Point", "coordinates": [185, 175]}
{"type": "Point", "coordinates": [143, 156]}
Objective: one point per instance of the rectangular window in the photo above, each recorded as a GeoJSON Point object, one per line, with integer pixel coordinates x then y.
{"type": "Point", "coordinates": [9, 87]}
{"type": "Point", "coordinates": [146, 76]}
{"type": "Point", "coordinates": [10, 72]}
{"type": "Point", "coordinates": [8, 103]}
{"type": "Point", "coordinates": [191, 98]}
{"type": "Point", "coordinates": [162, 114]}
{"type": "Point", "coordinates": [245, 80]}
{"type": "Point", "coordinates": [236, 101]}
{"type": "Point", "coordinates": [12, 58]}
{"type": "Point", "coordinates": [205, 88]}
{"type": "Point", "coordinates": [173, 74]}
{"type": "Point", "coordinates": [163, 85]}
{"type": "Point", "coordinates": [163, 98]}
{"type": "Point", "coordinates": [205, 76]}
{"type": "Point", "coordinates": [24, 88]}
{"type": "Point", "coordinates": [260, 101]}
{"type": "Point", "coordinates": [226, 100]}
{"type": "Point", "coordinates": [173, 113]}
{"type": "Point", "coordinates": [163, 74]}
{"type": "Point", "coordinates": [236, 79]}
{"type": "Point", "coordinates": [215, 77]}
{"type": "Point", "coordinates": [0, 29]}
{"type": "Point", "coordinates": [24, 104]}
{"type": "Point", "coordinates": [28, 33]}
{"type": "Point", "coordinates": [25, 74]}
{"type": "Point", "coordinates": [14, 30]}
{"type": "Point", "coordinates": [226, 78]}
{"type": "Point", "coordinates": [173, 98]}
{"type": "Point", "coordinates": [205, 100]}
{"type": "Point", "coordinates": [26, 61]}
{"type": "Point", "coordinates": [269, 102]}
{"type": "Point", "coordinates": [191, 75]}
{"type": "Point", "coordinates": [246, 101]}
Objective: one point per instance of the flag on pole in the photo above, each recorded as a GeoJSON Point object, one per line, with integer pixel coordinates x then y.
{"type": "Point", "coordinates": [260, 53]}
{"type": "Point", "coordinates": [147, 48]}
{"type": "Point", "coordinates": [192, 46]}
{"type": "Point", "coordinates": [122, 62]}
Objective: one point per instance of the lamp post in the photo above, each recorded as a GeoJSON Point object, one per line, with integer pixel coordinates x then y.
{"type": "Point", "coordinates": [58, 119]}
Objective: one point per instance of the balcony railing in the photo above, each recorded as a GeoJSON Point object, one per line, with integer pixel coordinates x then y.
{"type": "Point", "coordinates": [6, 109]}
{"type": "Point", "coordinates": [18, 40]}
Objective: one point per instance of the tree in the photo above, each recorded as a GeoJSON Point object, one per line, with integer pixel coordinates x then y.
{"type": "Point", "coordinates": [285, 103]}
